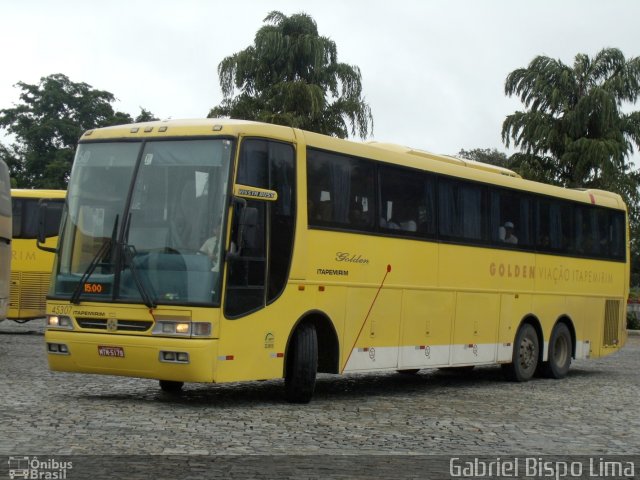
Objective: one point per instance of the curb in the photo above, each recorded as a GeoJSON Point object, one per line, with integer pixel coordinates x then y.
{"type": "Point", "coordinates": [633, 333]}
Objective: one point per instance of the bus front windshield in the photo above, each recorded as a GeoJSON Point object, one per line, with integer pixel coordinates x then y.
{"type": "Point", "coordinates": [143, 223]}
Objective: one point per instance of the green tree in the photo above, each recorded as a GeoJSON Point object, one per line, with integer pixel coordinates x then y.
{"type": "Point", "coordinates": [574, 132]}
{"type": "Point", "coordinates": [291, 76]}
{"type": "Point", "coordinates": [145, 116]}
{"type": "Point", "coordinates": [16, 167]}
{"type": "Point", "coordinates": [46, 125]}
{"type": "Point", "coordinates": [486, 155]}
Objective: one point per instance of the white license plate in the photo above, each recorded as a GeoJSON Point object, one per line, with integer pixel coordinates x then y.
{"type": "Point", "coordinates": [106, 351]}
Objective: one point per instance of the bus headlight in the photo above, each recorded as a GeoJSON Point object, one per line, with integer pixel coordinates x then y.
{"type": "Point", "coordinates": [201, 329]}
{"type": "Point", "coordinates": [59, 321]}
{"type": "Point", "coordinates": [182, 329]}
{"type": "Point", "coordinates": [169, 327]}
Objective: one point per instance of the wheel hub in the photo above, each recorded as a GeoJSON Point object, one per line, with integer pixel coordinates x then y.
{"type": "Point", "coordinates": [527, 353]}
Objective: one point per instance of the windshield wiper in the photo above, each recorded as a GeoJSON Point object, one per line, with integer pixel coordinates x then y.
{"type": "Point", "coordinates": [75, 297]}
{"type": "Point", "coordinates": [129, 253]}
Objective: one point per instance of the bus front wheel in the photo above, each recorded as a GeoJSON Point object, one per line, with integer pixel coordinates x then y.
{"type": "Point", "coordinates": [559, 353]}
{"type": "Point", "coordinates": [302, 365]}
{"type": "Point", "coordinates": [526, 351]}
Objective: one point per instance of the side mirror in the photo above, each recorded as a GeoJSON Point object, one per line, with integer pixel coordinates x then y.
{"type": "Point", "coordinates": [245, 223]}
{"type": "Point", "coordinates": [42, 227]}
{"type": "Point", "coordinates": [248, 217]}
{"type": "Point", "coordinates": [247, 227]}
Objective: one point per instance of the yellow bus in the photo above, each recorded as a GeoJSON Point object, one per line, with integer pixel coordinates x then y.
{"type": "Point", "coordinates": [5, 239]}
{"type": "Point", "coordinates": [222, 251]}
{"type": "Point", "coordinates": [30, 265]}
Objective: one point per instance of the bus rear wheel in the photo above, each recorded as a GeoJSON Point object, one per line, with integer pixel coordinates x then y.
{"type": "Point", "coordinates": [302, 365]}
{"type": "Point", "coordinates": [559, 353]}
{"type": "Point", "coordinates": [170, 386]}
{"type": "Point", "coordinates": [526, 351]}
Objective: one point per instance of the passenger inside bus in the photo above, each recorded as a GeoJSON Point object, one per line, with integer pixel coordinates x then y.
{"type": "Point", "coordinates": [187, 232]}
{"type": "Point", "coordinates": [409, 226]}
{"type": "Point", "coordinates": [506, 234]}
{"type": "Point", "coordinates": [210, 247]}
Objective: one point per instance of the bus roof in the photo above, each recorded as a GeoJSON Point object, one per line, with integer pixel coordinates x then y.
{"type": "Point", "coordinates": [37, 193]}
{"type": "Point", "coordinates": [446, 158]}
{"type": "Point", "coordinates": [386, 152]}
{"type": "Point", "coordinates": [194, 127]}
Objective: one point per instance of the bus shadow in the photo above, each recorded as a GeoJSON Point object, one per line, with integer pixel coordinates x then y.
{"type": "Point", "coordinates": [402, 385]}
{"type": "Point", "coordinates": [329, 388]}
{"type": "Point", "coordinates": [22, 327]}
{"type": "Point", "coordinates": [21, 332]}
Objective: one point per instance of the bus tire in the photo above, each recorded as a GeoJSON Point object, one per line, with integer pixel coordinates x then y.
{"type": "Point", "coordinates": [526, 351]}
{"type": "Point", "coordinates": [557, 366]}
{"type": "Point", "coordinates": [302, 365]}
{"type": "Point", "coordinates": [170, 386]}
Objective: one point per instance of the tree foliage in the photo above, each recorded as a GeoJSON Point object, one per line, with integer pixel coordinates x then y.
{"type": "Point", "coordinates": [574, 132]}
{"type": "Point", "coordinates": [486, 155]}
{"type": "Point", "coordinates": [291, 76]}
{"type": "Point", "coordinates": [145, 116]}
{"type": "Point", "coordinates": [46, 125]}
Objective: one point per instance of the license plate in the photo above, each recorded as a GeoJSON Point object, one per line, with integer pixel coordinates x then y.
{"type": "Point", "coordinates": [105, 351]}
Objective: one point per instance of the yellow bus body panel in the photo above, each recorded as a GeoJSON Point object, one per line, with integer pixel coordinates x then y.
{"type": "Point", "coordinates": [141, 356]}
{"type": "Point", "coordinates": [394, 303]}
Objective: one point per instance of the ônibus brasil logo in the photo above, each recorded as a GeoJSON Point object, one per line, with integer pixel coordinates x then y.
{"type": "Point", "coordinates": [35, 468]}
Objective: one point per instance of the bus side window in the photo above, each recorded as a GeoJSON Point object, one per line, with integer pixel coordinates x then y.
{"type": "Point", "coordinates": [17, 205]}
{"type": "Point", "coordinates": [461, 210]}
{"type": "Point", "coordinates": [406, 201]}
{"type": "Point", "coordinates": [324, 211]}
{"type": "Point", "coordinates": [340, 191]}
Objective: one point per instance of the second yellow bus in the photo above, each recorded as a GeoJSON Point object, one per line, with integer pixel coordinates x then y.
{"type": "Point", "coordinates": [30, 265]}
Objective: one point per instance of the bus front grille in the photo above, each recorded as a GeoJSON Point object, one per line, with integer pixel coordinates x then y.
{"type": "Point", "coordinates": [122, 326]}
{"type": "Point", "coordinates": [611, 323]}
{"type": "Point", "coordinates": [29, 290]}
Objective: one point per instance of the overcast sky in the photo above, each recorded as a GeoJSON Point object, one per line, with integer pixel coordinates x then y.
{"type": "Point", "coordinates": [433, 71]}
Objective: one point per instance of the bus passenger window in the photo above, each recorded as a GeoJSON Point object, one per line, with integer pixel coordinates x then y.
{"type": "Point", "coordinates": [406, 201]}
{"type": "Point", "coordinates": [324, 211]}
{"type": "Point", "coordinates": [510, 218]}
{"type": "Point", "coordinates": [462, 210]}
{"type": "Point", "coordinates": [340, 191]}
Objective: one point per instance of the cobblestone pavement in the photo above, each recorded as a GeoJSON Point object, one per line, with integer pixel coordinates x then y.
{"type": "Point", "coordinates": [594, 411]}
